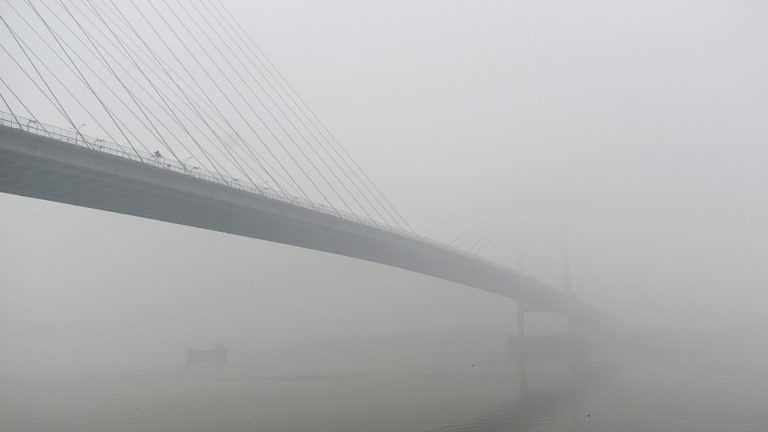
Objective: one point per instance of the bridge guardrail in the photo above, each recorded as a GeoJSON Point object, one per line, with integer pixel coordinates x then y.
{"type": "Point", "coordinates": [72, 137]}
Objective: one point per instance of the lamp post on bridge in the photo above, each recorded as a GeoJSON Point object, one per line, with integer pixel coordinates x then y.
{"type": "Point", "coordinates": [195, 170]}
{"type": "Point", "coordinates": [30, 122]}
{"type": "Point", "coordinates": [78, 134]}
{"type": "Point", "coordinates": [184, 164]}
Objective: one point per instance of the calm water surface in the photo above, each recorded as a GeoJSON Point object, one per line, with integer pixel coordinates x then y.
{"type": "Point", "coordinates": [664, 394]}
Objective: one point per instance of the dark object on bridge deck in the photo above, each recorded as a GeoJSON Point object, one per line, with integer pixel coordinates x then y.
{"type": "Point", "coordinates": [216, 357]}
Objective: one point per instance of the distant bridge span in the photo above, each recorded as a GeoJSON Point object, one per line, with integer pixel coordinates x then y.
{"type": "Point", "coordinates": [56, 167]}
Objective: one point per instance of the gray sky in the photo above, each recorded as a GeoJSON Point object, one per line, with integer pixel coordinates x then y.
{"type": "Point", "coordinates": [641, 124]}
{"type": "Point", "coordinates": [642, 121]}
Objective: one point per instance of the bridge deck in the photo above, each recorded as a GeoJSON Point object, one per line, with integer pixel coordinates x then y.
{"type": "Point", "coordinates": [41, 167]}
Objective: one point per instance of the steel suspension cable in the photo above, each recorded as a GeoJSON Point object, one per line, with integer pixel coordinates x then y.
{"type": "Point", "coordinates": [205, 97]}
{"type": "Point", "coordinates": [254, 49]}
{"type": "Point", "coordinates": [53, 98]}
{"type": "Point", "coordinates": [85, 81]}
{"type": "Point", "coordinates": [175, 78]}
{"type": "Point", "coordinates": [186, 102]}
{"type": "Point", "coordinates": [293, 125]}
{"type": "Point", "coordinates": [125, 88]}
{"type": "Point", "coordinates": [480, 233]}
{"type": "Point", "coordinates": [197, 109]}
{"type": "Point", "coordinates": [95, 74]}
{"type": "Point", "coordinates": [219, 170]}
{"type": "Point", "coordinates": [74, 72]}
{"type": "Point", "coordinates": [10, 110]}
{"type": "Point", "coordinates": [21, 102]}
{"type": "Point", "coordinates": [227, 152]}
{"type": "Point", "coordinates": [72, 95]}
{"type": "Point", "coordinates": [258, 116]}
{"type": "Point", "coordinates": [216, 84]}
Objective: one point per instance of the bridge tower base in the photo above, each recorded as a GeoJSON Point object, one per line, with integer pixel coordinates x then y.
{"type": "Point", "coordinates": [516, 342]}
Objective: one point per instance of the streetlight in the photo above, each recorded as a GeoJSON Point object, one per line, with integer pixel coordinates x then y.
{"type": "Point", "coordinates": [77, 133]}
{"type": "Point", "coordinates": [29, 122]}
{"type": "Point", "coordinates": [184, 164]}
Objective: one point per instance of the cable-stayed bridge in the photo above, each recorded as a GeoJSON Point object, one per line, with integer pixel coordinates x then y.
{"type": "Point", "coordinates": [196, 126]}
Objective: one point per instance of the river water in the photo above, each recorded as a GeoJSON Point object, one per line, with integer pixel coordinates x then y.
{"type": "Point", "coordinates": [663, 393]}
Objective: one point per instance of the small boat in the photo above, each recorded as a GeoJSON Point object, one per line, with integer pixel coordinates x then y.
{"type": "Point", "coordinates": [217, 356]}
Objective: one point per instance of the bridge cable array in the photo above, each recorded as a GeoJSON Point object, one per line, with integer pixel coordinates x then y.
{"type": "Point", "coordinates": [187, 77]}
{"type": "Point", "coordinates": [507, 239]}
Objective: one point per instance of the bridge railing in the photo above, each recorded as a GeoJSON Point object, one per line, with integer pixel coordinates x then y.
{"type": "Point", "coordinates": [73, 137]}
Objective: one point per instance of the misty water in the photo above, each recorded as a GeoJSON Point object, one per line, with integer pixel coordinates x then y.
{"type": "Point", "coordinates": [338, 346]}
{"type": "Point", "coordinates": [669, 393]}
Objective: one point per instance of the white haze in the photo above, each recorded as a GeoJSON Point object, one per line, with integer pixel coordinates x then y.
{"type": "Point", "coordinates": [640, 125]}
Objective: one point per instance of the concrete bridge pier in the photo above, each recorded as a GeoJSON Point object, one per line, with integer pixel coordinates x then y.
{"type": "Point", "coordinates": [521, 319]}
{"type": "Point", "coordinates": [578, 329]}
{"type": "Point", "coordinates": [516, 342]}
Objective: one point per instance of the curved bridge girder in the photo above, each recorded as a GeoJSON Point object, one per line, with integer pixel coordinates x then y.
{"type": "Point", "coordinates": [35, 166]}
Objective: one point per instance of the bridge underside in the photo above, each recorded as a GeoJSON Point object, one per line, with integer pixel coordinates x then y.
{"type": "Point", "coordinates": [44, 168]}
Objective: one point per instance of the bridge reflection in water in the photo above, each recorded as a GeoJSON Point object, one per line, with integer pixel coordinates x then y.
{"type": "Point", "coordinates": [541, 400]}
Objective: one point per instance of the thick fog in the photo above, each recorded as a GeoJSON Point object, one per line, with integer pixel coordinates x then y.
{"type": "Point", "coordinates": [636, 127]}
{"type": "Point", "coordinates": [641, 124]}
